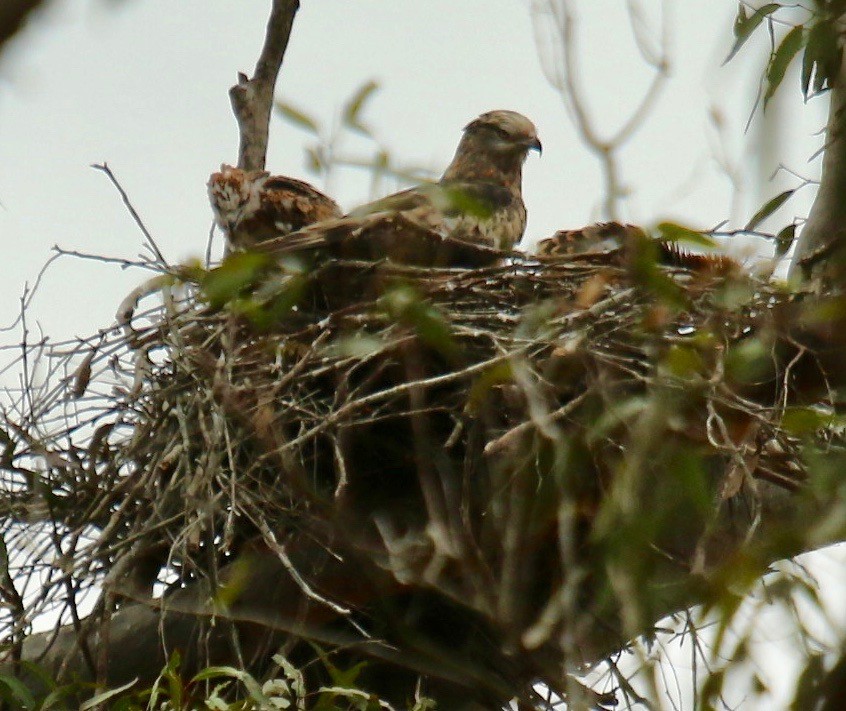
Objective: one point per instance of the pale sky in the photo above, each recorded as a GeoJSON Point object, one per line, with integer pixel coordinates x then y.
{"type": "Point", "coordinates": [142, 85]}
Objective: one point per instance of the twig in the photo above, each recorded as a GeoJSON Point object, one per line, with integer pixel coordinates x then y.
{"type": "Point", "coordinates": [123, 262]}
{"type": "Point", "coordinates": [135, 216]}
{"type": "Point", "coordinates": [252, 99]}
{"type": "Point", "coordinates": [564, 78]}
{"type": "Point", "coordinates": [513, 435]}
{"type": "Point", "coordinates": [281, 553]}
{"type": "Point", "coordinates": [29, 293]}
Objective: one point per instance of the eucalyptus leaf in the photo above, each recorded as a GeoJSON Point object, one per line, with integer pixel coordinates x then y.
{"type": "Point", "coordinates": [769, 208]}
{"type": "Point", "coordinates": [672, 232]}
{"type": "Point", "coordinates": [743, 28]}
{"type": "Point", "coordinates": [781, 59]}
{"type": "Point", "coordinates": [297, 117]}
{"type": "Point", "coordinates": [784, 240]}
{"type": "Point", "coordinates": [351, 115]}
{"type": "Point", "coordinates": [99, 699]}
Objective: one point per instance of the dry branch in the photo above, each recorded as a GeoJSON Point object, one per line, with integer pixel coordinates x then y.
{"type": "Point", "coordinates": [252, 98]}
{"type": "Point", "coordinates": [13, 16]}
{"type": "Point", "coordinates": [821, 249]}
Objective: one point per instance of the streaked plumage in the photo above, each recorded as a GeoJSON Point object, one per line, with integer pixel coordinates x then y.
{"type": "Point", "coordinates": [601, 237]}
{"type": "Point", "coordinates": [477, 201]}
{"type": "Point", "coordinates": [625, 244]}
{"type": "Point", "coordinates": [254, 206]}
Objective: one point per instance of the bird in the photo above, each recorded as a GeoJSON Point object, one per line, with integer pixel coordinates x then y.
{"type": "Point", "coordinates": [252, 206]}
{"type": "Point", "coordinates": [600, 237]}
{"type": "Point", "coordinates": [478, 200]}
{"type": "Point", "coordinates": [614, 242]}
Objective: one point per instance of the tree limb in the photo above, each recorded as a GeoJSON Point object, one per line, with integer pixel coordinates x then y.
{"type": "Point", "coordinates": [13, 15]}
{"type": "Point", "coordinates": [252, 99]}
{"type": "Point", "coordinates": [821, 243]}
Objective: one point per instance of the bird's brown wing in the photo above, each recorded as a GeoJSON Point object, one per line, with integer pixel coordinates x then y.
{"type": "Point", "coordinates": [293, 204]}
{"type": "Point", "coordinates": [403, 201]}
{"type": "Point", "coordinates": [450, 198]}
{"type": "Point", "coordinates": [418, 225]}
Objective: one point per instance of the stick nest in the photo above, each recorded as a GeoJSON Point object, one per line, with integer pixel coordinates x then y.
{"type": "Point", "coordinates": [504, 438]}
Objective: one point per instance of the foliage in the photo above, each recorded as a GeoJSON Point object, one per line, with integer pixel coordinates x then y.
{"type": "Point", "coordinates": [817, 39]}
{"type": "Point", "coordinates": [220, 688]}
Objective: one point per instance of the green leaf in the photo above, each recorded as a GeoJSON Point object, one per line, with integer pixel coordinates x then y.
{"type": "Point", "coordinates": [99, 699]}
{"type": "Point", "coordinates": [671, 232]}
{"type": "Point", "coordinates": [741, 18]}
{"type": "Point", "coordinates": [346, 678]}
{"type": "Point", "coordinates": [647, 275]}
{"type": "Point", "coordinates": [497, 374]}
{"type": "Point", "coordinates": [749, 361]}
{"type": "Point", "coordinates": [743, 28]}
{"type": "Point", "coordinates": [296, 116]}
{"type": "Point", "coordinates": [617, 413]}
{"type": "Point", "coordinates": [216, 673]}
{"type": "Point", "coordinates": [13, 689]}
{"type": "Point", "coordinates": [821, 61]}
{"type": "Point", "coordinates": [250, 684]}
{"type": "Point", "coordinates": [806, 420]}
{"type": "Point", "coordinates": [462, 201]}
{"type": "Point", "coordinates": [4, 558]}
{"type": "Point", "coordinates": [358, 345]}
{"type": "Point", "coordinates": [784, 240]}
{"type": "Point", "coordinates": [237, 272]}
{"type": "Point", "coordinates": [787, 50]}
{"type": "Point", "coordinates": [769, 208]}
{"type": "Point", "coordinates": [314, 159]}
{"type": "Point", "coordinates": [822, 58]}
{"type": "Point", "coordinates": [808, 64]}
{"type": "Point", "coordinates": [56, 697]}
{"type": "Point", "coordinates": [406, 305]}
{"type": "Point", "coordinates": [351, 115]}
{"type": "Point", "coordinates": [683, 362]}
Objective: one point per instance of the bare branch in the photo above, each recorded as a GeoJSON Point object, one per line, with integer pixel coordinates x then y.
{"type": "Point", "coordinates": [564, 77]}
{"type": "Point", "coordinates": [13, 15]}
{"type": "Point", "coordinates": [252, 99]}
{"type": "Point", "coordinates": [151, 243]}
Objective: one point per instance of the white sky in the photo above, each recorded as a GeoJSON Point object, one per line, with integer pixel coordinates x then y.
{"type": "Point", "coordinates": [142, 85]}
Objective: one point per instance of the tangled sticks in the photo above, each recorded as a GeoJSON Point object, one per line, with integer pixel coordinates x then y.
{"type": "Point", "coordinates": [484, 476]}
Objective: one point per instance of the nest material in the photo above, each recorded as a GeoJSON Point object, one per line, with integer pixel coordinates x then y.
{"type": "Point", "coordinates": [492, 438]}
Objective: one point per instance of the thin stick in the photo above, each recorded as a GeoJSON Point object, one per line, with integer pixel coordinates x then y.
{"type": "Point", "coordinates": [104, 167]}
{"type": "Point", "coordinates": [123, 262]}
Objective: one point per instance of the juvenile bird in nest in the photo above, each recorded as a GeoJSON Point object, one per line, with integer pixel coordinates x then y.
{"type": "Point", "coordinates": [601, 237]}
{"type": "Point", "coordinates": [478, 202]}
{"type": "Point", "coordinates": [252, 206]}
{"type": "Point", "coordinates": [617, 242]}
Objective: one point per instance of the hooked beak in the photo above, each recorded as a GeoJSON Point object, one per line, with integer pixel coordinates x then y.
{"type": "Point", "coordinates": [534, 144]}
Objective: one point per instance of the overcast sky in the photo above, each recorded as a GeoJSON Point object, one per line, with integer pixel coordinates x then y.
{"type": "Point", "coordinates": [142, 84]}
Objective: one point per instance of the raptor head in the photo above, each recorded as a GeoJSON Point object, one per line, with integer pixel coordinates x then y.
{"type": "Point", "coordinates": [493, 148]}
{"type": "Point", "coordinates": [504, 132]}
{"type": "Point", "coordinates": [235, 194]}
